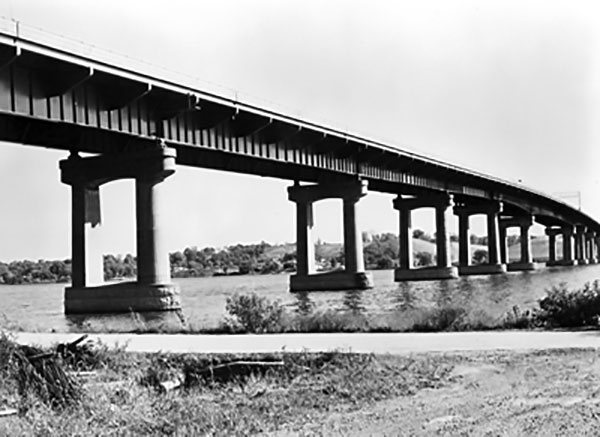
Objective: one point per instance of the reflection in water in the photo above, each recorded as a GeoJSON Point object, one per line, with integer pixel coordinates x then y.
{"type": "Point", "coordinates": [303, 304]}
{"type": "Point", "coordinates": [498, 287]}
{"type": "Point", "coordinates": [444, 296]}
{"type": "Point", "coordinates": [155, 321]}
{"type": "Point", "coordinates": [353, 301]}
{"type": "Point", "coordinates": [40, 307]}
{"type": "Point", "coordinates": [406, 299]}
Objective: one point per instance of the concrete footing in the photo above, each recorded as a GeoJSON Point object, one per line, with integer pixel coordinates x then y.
{"type": "Point", "coordinates": [482, 269]}
{"type": "Point", "coordinates": [426, 274]}
{"type": "Point", "coordinates": [554, 263]}
{"type": "Point", "coordinates": [121, 298]}
{"type": "Point", "coordinates": [338, 280]}
{"type": "Point", "coordinates": [524, 266]}
{"type": "Point", "coordinates": [568, 262]}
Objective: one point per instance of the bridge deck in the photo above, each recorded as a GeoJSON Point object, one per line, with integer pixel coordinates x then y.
{"type": "Point", "coordinates": [53, 97]}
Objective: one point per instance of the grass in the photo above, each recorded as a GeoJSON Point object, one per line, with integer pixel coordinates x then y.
{"type": "Point", "coordinates": [122, 400]}
{"type": "Point", "coordinates": [258, 315]}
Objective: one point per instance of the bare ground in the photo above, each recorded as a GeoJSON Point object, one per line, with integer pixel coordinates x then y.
{"type": "Point", "coordinates": [550, 393]}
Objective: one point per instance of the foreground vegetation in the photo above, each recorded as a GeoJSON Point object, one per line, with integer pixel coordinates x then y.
{"type": "Point", "coordinates": [560, 308]}
{"type": "Point", "coordinates": [475, 393]}
{"type": "Point", "coordinates": [124, 394]}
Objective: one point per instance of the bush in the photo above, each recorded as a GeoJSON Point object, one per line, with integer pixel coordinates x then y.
{"type": "Point", "coordinates": [517, 319]}
{"type": "Point", "coordinates": [328, 321]}
{"type": "Point", "coordinates": [424, 259]}
{"type": "Point", "coordinates": [480, 256]}
{"type": "Point", "coordinates": [255, 314]}
{"type": "Point", "coordinates": [444, 318]}
{"type": "Point", "coordinates": [565, 308]}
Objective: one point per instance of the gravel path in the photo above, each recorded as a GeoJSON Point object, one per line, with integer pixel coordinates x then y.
{"type": "Point", "coordinates": [391, 343]}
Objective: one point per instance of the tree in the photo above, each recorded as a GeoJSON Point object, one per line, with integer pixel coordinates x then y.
{"type": "Point", "coordinates": [385, 262]}
{"type": "Point", "coordinates": [480, 256]}
{"type": "Point", "coordinates": [419, 234]}
{"type": "Point", "coordinates": [424, 259]}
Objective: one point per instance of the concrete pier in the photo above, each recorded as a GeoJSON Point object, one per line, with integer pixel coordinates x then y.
{"type": "Point", "coordinates": [568, 245]}
{"type": "Point", "coordinates": [443, 211]}
{"type": "Point", "coordinates": [580, 249]}
{"type": "Point", "coordinates": [353, 276]}
{"type": "Point", "coordinates": [590, 247]}
{"type": "Point", "coordinates": [552, 233]}
{"type": "Point", "coordinates": [494, 264]}
{"type": "Point", "coordinates": [153, 290]}
{"type": "Point", "coordinates": [525, 262]}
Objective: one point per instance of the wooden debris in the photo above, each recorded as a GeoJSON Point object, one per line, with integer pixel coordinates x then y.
{"type": "Point", "coordinates": [44, 374]}
{"type": "Point", "coordinates": [83, 375]}
{"type": "Point", "coordinates": [172, 384]}
{"type": "Point", "coordinates": [235, 370]}
{"type": "Point", "coordinates": [79, 354]}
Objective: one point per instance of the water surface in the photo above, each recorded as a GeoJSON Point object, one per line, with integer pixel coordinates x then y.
{"type": "Point", "coordinates": [40, 307]}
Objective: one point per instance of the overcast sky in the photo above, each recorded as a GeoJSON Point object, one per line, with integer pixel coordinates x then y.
{"type": "Point", "coordinates": [509, 88]}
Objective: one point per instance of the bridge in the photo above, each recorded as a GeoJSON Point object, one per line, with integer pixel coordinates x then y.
{"type": "Point", "coordinates": [140, 126]}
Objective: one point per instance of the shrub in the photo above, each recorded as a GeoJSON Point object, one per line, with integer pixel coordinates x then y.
{"type": "Point", "coordinates": [480, 256]}
{"type": "Point", "coordinates": [565, 308]}
{"type": "Point", "coordinates": [517, 319]}
{"type": "Point", "coordinates": [255, 314]}
{"type": "Point", "coordinates": [424, 259]}
{"type": "Point", "coordinates": [445, 318]}
{"type": "Point", "coordinates": [304, 305]}
{"type": "Point", "coordinates": [328, 321]}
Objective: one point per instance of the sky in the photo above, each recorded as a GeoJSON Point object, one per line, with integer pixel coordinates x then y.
{"type": "Point", "coordinates": [508, 88]}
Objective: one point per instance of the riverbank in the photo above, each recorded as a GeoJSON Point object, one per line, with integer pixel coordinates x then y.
{"type": "Point", "coordinates": [529, 392]}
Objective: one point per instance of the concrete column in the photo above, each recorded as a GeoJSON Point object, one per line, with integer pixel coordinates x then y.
{"type": "Point", "coordinates": [503, 245]}
{"type": "Point", "coordinates": [525, 245]}
{"type": "Point", "coordinates": [464, 241]}
{"type": "Point", "coordinates": [493, 238]}
{"type": "Point", "coordinates": [586, 246]}
{"type": "Point", "coordinates": [305, 249]}
{"type": "Point", "coordinates": [78, 243]}
{"type": "Point", "coordinates": [87, 267]}
{"type": "Point", "coordinates": [590, 254]}
{"type": "Point", "coordinates": [551, 246]}
{"type": "Point", "coordinates": [443, 214]}
{"type": "Point", "coordinates": [353, 248]}
{"type": "Point", "coordinates": [568, 246]}
{"type": "Point", "coordinates": [152, 254]}
{"type": "Point", "coordinates": [580, 245]}
{"type": "Point", "coordinates": [405, 239]}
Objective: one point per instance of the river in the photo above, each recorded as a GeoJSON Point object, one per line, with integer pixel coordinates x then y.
{"type": "Point", "coordinates": [39, 307]}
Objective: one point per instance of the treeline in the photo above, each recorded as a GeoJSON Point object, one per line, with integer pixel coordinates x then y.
{"type": "Point", "coordinates": [32, 272]}
{"type": "Point", "coordinates": [380, 252]}
{"type": "Point", "coordinates": [239, 259]}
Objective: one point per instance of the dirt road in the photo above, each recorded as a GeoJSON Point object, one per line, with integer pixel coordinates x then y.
{"type": "Point", "coordinates": [547, 393]}
{"type": "Point", "coordinates": [392, 343]}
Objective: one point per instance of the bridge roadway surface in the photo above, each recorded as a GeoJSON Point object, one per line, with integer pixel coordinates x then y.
{"type": "Point", "coordinates": [378, 343]}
